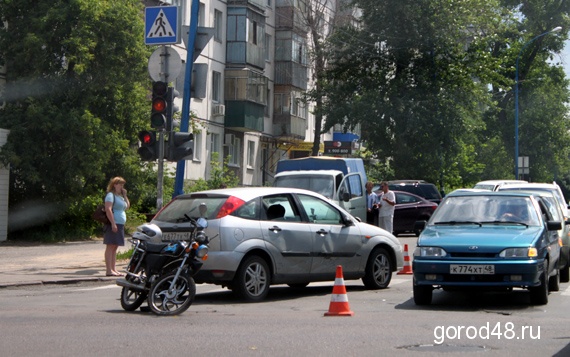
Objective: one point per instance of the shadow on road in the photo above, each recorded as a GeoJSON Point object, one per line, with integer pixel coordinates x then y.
{"type": "Point", "coordinates": [471, 300]}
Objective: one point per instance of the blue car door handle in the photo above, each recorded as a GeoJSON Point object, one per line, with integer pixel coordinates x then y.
{"type": "Point", "coordinates": [322, 232]}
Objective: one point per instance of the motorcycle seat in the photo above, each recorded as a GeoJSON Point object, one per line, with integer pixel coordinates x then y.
{"type": "Point", "coordinates": [155, 247]}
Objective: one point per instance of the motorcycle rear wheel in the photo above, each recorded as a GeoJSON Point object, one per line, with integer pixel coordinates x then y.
{"type": "Point", "coordinates": [165, 303]}
{"type": "Point", "coordinates": [133, 299]}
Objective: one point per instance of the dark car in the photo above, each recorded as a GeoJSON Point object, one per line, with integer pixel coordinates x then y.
{"type": "Point", "coordinates": [409, 209]}
{"type": "Point", "coordinates": [417, 187]}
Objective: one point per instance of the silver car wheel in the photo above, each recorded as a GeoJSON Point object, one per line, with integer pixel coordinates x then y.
{"type": "Point", "coordinates": [381, 268]}
{"type": "Point", "coordinates": [252, 279]}
{"type": "Point", "coordinates": [378, 272]}
{"type": "Point", "coordinates": [256, 279]}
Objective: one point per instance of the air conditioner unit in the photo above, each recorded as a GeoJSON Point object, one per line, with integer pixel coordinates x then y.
{"type": "Point", "coordinates": [219, 110]}
{"type": "Point", "coordinates": [229, 139]}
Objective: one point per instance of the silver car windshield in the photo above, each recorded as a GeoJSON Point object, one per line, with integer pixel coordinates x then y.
{"type": "Point", "coordinates": [486, 209]}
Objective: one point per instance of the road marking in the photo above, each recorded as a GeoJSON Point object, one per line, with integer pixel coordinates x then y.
{"type": "Point", "coordinates": [566, 292]}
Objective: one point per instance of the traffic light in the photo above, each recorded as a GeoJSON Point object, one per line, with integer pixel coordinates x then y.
{"type": "Point", "coordinates": [159, 105]}
{"type": "Point", "coordinates": [148, 151]}
{"type": "Point", "coordinates": [180, 146]}
{"type": "Point", "coordinates": [172, 108]}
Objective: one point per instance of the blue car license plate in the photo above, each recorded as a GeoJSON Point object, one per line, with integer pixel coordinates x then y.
{"type": "Point", "coordinates": [471, 269]}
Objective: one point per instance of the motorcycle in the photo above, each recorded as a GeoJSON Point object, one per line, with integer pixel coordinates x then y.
{"type": "Point", "coordinates": [161, 273]}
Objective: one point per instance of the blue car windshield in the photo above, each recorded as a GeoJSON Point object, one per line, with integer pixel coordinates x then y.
{"type": "Point", "coordinates": [486, 209]}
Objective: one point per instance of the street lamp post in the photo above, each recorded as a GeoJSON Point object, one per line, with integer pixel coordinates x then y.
{"type": "Point", "coordinates": [556, 29]}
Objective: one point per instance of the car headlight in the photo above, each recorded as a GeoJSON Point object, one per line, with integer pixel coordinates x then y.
{"type": "Point", "coordinates": [519, 253]}
{"type": "Point", "coordinates": [429, 252]}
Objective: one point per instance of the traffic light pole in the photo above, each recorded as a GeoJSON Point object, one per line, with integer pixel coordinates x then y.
{"type": "Point", "coordinates": [160, 168]}
{"type": "Point", "coordinates": [185, 119]}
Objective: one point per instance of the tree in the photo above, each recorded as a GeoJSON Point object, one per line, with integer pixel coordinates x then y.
{"type": "Point", "coordinates": [75, 98]}
{"type": "Point", "coordinates": [429, 95]}
{"type": "Point", "coordinates": [543, 123]}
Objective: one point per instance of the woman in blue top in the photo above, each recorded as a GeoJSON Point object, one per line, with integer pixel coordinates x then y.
{"type": "Point", "coordinates": [116, 203]}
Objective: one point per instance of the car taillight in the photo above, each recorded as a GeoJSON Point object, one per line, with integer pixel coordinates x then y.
{"type": "Point", "coordinates": [231, 204]}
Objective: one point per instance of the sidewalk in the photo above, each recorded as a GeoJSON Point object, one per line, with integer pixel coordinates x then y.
{"type": "Point", "coordinates": [24, 263]}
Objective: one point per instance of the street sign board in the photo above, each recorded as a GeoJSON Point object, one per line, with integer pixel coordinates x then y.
{"type": "Point", "coordinates": [161, 25]}
{"type": "Point", "coordinates": [164, 64]}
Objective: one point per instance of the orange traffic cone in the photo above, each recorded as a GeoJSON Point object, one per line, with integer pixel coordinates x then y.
{"type": "Point", "coordinates": [339, 300]}
{"type": "Point", "coordinates": [407, 267]}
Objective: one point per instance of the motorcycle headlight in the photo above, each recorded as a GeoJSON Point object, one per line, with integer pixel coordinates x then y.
{"type": "Point", "coordinates": [202, 251]}
{"type": "Point", "coordinates": [201, 237]}
{"type": "Point", "coordinates": [433, 252]}
{"type": "Point", "coordinates": [518, 253]}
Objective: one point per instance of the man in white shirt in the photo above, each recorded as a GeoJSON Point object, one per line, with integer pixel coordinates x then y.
{"type": "Point", "coordinates": [387, 201]}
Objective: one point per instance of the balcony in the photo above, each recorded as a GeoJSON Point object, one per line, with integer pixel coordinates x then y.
{"type": "Point", "coordinates": [244, 116]}
{"type": "Point", "coordinates": [289, 127]}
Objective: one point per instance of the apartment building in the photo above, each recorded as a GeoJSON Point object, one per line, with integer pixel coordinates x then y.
{"type": "Point", "coordinates": [259, 66]}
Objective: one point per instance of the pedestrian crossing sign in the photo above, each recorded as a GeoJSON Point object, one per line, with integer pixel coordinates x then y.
{"type": "Point", "coordinates": [161, 25]}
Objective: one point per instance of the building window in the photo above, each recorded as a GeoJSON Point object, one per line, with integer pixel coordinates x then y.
{"type": "Point", "coordinates": [216, 86]}
{"type": "Point", "coordinates": [202, 15]}
{"type": "Point", "coordinates": [267, 111]}
{"type": "Point", "coordinates": [268, 48]}
{"type": "Point", "coordinates": [214, 145]}
{"type": "Point", "coordinates": [234, 147]}
{"type": "Point", "coordinates": [281, 106]}
{"type": "Point", "coordinates": [253, 38]}
{"type": "Point", "coordinates": [250, 154]}
{"type": "Point", "coordinates": [197, 147]}
{"type": "Point", "coordinates": [218, 25]}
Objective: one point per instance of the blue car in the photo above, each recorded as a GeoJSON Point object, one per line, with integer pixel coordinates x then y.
{"type": "Point", "coordinates": [488, 240]}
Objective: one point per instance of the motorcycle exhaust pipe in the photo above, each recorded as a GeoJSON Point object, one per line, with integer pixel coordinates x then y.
{"type": "Point", "coordinates": [127, 284]}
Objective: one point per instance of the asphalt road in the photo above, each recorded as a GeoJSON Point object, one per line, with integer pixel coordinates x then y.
{"type": "Point", "coordinates": [86, 319]}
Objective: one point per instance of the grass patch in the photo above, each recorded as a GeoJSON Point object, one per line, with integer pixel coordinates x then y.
{"type": "Point", "coordinates": [125, 255]}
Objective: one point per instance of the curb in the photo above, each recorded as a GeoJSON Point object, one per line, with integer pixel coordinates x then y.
{"type": "Point", "coordinates": [55, 282]}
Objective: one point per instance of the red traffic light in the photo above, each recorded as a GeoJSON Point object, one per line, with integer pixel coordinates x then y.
{"type": "Point", "coordinates": [147, 137]}
{"type": "Point", "coordinates": [148, 150]}
{"type": "Point", "coordinates": [159, 104]}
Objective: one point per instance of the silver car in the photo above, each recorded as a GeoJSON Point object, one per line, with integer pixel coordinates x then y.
{"type": "Point", "coordinates": [554, 190]}
{"type": "Point", "coordinates": [260, 236]}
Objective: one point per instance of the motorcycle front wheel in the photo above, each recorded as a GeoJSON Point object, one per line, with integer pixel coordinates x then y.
{"type": "Point", "coordinates": [163, 301]}
{"type": "Point", "coordinates": [132, 299]}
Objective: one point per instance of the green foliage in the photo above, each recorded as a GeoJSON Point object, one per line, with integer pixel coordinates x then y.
{"type": "Point", "coordinates": [434, 98]}
{"type": "Point", "coordinates": [75, 99]}
{"type": "Point", "coordinates": [221, 176]}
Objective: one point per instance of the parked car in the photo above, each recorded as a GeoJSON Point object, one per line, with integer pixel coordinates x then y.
{"type": "Point", "coordinates": [260, 236]}
{"type": "Point", "coordinates": [417, 187]}
{"type": "Point", "coordinates": [409, 209]}
{"type": "Point", "coordinates": [540, 187]}
{"type": "Point", "coordinates": [493, 185]}
{"type": "Point", "coordinates": [554, 190]}
{"type": "Point", "coordinates": [485, 240]}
